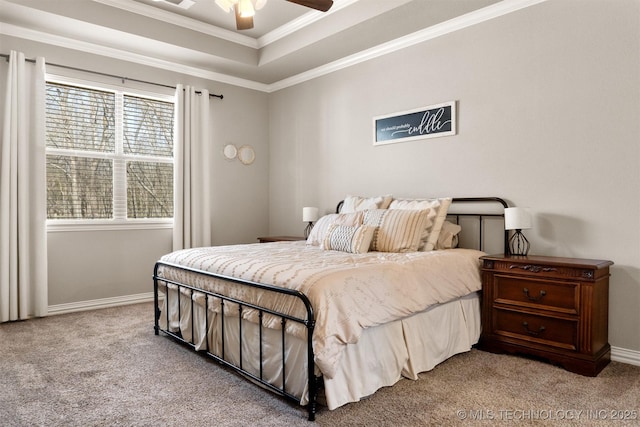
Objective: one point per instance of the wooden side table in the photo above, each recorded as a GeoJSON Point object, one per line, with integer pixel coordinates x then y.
{"type": "Point", "coordinates": [553, 308]}
{"type": "Point", "coordinates": [268, 239]}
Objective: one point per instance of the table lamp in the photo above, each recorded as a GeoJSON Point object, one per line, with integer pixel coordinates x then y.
{"type": "Point", "coordinates": [309, 215]}
{"type": "Point", "coordinates": [517, 219]}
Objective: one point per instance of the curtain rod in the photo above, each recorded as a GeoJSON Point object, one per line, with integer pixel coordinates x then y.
{"type": "Point", "coordinates": [109, 75]}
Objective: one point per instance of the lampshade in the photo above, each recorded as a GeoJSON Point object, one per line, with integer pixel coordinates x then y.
{"type": "Point", "coordinates": [309, 214]}
{"type": "Point", "coordinates": [517, 218]}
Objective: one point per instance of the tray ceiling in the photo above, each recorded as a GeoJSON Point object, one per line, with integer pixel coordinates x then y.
{"type": "Point", "coordinates": [288, 40]}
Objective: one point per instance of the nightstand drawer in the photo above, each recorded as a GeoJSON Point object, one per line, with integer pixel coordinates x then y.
{"type": "Point", "coordinates": [549, 331]}
{"type": "Point", "coordinates": [543, 294]}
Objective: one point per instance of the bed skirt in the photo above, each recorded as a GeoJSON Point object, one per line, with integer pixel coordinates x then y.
{"type": "Point", "coordinates": [383, 355]}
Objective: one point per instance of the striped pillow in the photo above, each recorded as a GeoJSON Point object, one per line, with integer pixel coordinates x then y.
{"type": "Point", "coordinates": [321, 227]}
{"type": "Point", "coordinates": [439, 208]}
{"type": "Point", "coordinates": [398, 230]}
{"type": "Point", "coordinates": [346, 238]}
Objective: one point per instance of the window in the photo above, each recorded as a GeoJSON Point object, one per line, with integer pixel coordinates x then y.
{"type": "Point", "coordinates": [109, 155]}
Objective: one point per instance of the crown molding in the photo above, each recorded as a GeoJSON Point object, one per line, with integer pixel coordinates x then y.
{"type": "Point", "coordinates": [476, 17]}
{"type": "Point", "coordinates": [472, 18]}
{"type": "Point", "coordinates": [301, 22]}
{"type": "Point", "coordinates": [47, 38]}
{"type": "Point", "coordinates": [211, 30]}
{"type": "Point", "coordinates": [181, 21]}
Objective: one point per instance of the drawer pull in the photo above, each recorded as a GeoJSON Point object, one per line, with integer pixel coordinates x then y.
{"type": "Point", "coordinates": [533, 268]}
{"type": "Point", "coordinates": [530, 298]}
{"type": "Point", "coordinates": [525, 325]}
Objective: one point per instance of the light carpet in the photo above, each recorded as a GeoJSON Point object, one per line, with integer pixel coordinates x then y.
{"type": "Point", "coordinates": [107, 368]}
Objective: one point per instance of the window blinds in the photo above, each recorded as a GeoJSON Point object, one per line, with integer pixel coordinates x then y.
{"type": "Point", "coordinates": [109, 154]}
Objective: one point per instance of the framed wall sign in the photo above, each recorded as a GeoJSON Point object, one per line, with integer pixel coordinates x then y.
{"type": "Point", "coordinates": [425, 122]}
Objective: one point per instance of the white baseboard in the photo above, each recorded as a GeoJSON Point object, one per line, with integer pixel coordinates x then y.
{"type": "Point", "coordinates": [618, 354]}
{"type": "Point", "coordinates": [100, 303]}
{"type": "Point", "coordinates": [623, 355]}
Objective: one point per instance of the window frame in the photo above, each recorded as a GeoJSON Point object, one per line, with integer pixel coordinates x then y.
{"type": "Point", "coordinates": [119, 158]}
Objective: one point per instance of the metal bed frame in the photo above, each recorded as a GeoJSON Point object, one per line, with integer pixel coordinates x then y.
{"type": "Point", "coordinates": [308, 321]}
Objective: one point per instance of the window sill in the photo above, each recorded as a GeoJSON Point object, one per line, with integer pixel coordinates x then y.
{"type": "Point", "coordinates": [71, 225]}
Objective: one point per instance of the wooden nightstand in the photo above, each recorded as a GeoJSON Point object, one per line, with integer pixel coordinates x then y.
{"type": "Point", "coordinates": [553, 308]}
{"type": "Point", "coordinates": [268, 239]}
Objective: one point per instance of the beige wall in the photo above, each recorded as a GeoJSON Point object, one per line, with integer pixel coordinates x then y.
{"type": "Point", "coordinates": [549, 113]}
{"type": "Point", "coordinates": [549, 110]}
{"type": "Point", "coordinates": [88, 265]}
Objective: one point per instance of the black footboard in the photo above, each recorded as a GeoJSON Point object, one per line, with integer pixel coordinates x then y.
{"type": "Point", "coordinates": [187, 291]}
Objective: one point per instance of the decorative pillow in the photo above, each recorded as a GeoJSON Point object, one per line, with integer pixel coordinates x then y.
{"type": "Point", "coordinates": [398, 230]}
{"type": "Point", "coordinates": [354, 239]}
{"type": "Point", "coordinates": [357, 203]}
{"type": "Point", "coordinates": [419, 204]}
{"type": "Point", "coordinates": [448, 237]}
{"type": "Point", "coordinates": [439, 206]}
{"type": "Point", "coordinates": [441, 216]}
{"type": "Point", "coordinates": [320, 228]}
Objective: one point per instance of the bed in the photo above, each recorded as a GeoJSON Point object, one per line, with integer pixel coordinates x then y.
{"type": "Point", "coordinates": [382, 289]}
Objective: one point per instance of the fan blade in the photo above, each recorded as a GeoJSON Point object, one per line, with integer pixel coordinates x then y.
{"type": "Point", "coordinates": [243, 23]}
{"type": "Point", "coordinates": [321, 5]}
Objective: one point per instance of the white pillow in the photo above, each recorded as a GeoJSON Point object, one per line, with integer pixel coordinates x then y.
{"type": "Point", "coordinates": [354, 239]}
{"type": "Point", "coordinates": [357, 203]}
{"type": "Point", "coordinates": [448, 237]}
{"type": "Point", "coordinates": [440, 206]}
{"type": "Point", "coordinates": [398, 230]}
{"type": "Point", "coordinates": [320, 228]}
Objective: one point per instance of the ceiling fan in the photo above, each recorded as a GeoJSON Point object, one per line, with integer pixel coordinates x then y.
{"type": "Point", "coordinates": [246, 9]}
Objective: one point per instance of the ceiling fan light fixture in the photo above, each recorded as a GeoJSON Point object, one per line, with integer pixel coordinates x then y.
{"type": "Point", "coordinates": [226, 5]}
{"type": "Point", "coordinates": [245, 8]}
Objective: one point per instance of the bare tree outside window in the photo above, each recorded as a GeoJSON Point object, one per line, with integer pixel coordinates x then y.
{"type": "Point", "coordinates": [79, 188]}
{"type": "Point", "coordinates": [149, 190]}
{"type": "Point", "coordinates": [104, 149]}
{"type": "Point", "coordinates": [148, 131]}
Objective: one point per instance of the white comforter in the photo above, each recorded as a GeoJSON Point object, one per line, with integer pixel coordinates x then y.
{"type": "Point", "coordinates": [348, 292]}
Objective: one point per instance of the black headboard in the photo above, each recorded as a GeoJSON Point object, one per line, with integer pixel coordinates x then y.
{"type": "Point", "coordinates": [481, 211]}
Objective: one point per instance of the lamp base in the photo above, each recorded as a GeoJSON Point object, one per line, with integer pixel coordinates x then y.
{"type": "Point", "coordinates": [518, 244]}
{"type": "Point", "coordinates": [308, 229]}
